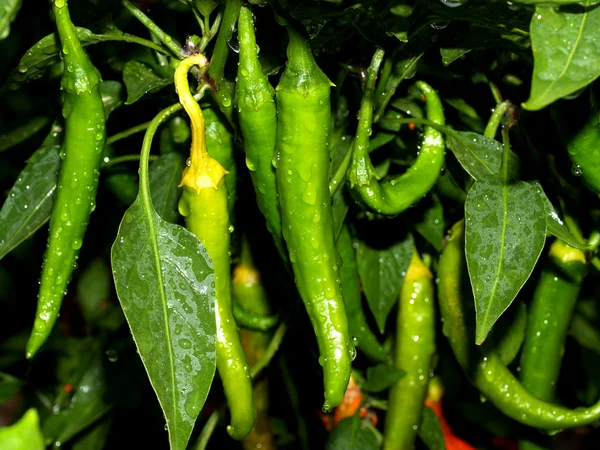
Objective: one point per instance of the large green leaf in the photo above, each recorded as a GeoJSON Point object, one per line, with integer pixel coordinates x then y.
{"type": "Point", "coordinates": [566, 51]}
{"type": "Point", "coordinates": [381, 377]}
{"type": "Point", "coordinates": [29, 202]}
{"type": "Point", "coordinates": [165, 175]}
{"type": "Point", "coordinates": [164, 280]}
{"type": "Point", "coordinates": [504, 236]}
{"type": "Point", "coordinates": [23, 435]}
{"type": "Point", "coordinates": [381, 273]}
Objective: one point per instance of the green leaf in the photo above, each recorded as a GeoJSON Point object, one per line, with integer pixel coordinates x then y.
{"type": "Point", "coordinates": [449, 55]}
{"type": "Point", "coordinates": [556, 226]}
{"type": "Point", "coordinates": [29, 202]}
{"type": "Point", "coordinates": [352, 434]}
{"type": "Point", "coordinates": [381, 377]}
{"type": "Point", "coordinates": [94, 297]}
{"type": "Point", "coordinates": [9, 386]}
{"type": "Point", "coordinates": [480, 156]}
{"type": "Point", "coordinates": [23, 132]}
{"type": "Point", "coordinates": [382, 272]}
{"type": "Point", "coordinates": [566, 51]}
{"type": "Point", "coordinates": [88, 404]}
{"type": "Point", "coordinates": [430, 431]}
{"type": "Point", "coordinates": [165, 175]}
{"type": "Point", "coordinates": [431, 226]}
{"type": "Point", "coordinates": [95, 438]}
{"type": "Point", "coordinates": [140, 79]}
{"type": "Point", "coordinates": [46, 52]}
{"type": "Point", "coordinates": [504, 237]}
{"type": "Point", "coordinates": [112, 96]}
{"type": "Point", "coordinates": [163, 277]}
{"type": "Point", "coordinates": [556, 2]}
{"type": "Point", "coordinates": [509, 333]}
{"type": "Point", "coordinates": [124, 186]}
{"type": "Point", "coordinates": [23, 435]}
{"type": "Point", "coordinates": [8, 12]}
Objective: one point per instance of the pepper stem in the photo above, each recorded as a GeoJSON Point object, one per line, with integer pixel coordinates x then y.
{"type": "Point", "coordinates": [202, 171]}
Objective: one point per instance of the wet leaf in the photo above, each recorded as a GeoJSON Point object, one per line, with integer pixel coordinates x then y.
{"type": "Point", "coordinates": [140, 79]}
{"type": "Point", "coordinates": [504, 237]}
{"type": "Point", "coordinates": [382, 272]}
{"type": "Point", "coordinates": [164, 280]}
{"type": "Point", "coordinates": [29, 202]}
{"type": "Point", "coordinates": [566, 51]}
{"type": "Point", "coordinates": [8, 12]}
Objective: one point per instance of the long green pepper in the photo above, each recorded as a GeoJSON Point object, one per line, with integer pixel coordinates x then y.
{"type": "Point", "coordinates": [204, 205]}
{"type": "Point", "coordinates": [302, 172]}
{"type": "Point", "coordinates": [548, 323]}
{"type": "Point", "coordinates": [485, 369]}
{"type": "Point", "coordinates": [257, 113]}
{"type": "Point", "coordinates": [395, 196]}
{"type": "Point", "coordinates": [85, 135]}
{"type": "Point", "coordinates": [415, 345]}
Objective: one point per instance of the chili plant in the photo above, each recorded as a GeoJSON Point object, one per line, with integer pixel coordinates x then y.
{"type": "Point", "coordinates": [299, 224]}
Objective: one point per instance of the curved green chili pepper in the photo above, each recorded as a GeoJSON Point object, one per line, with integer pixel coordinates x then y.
{"type": "Point", "coordinates": [302, 173]}
{"type": "Point", "coordinates": [415, 345]}
{"type": "Point", "coordinates": [85, 134]}
{"type": "Point", "coordinates": [220, 145]}
{"type": "Point", "coordinates": [548, 322]}
{"type": "Point", "coordinates": [257, 113]}
{"type": "Point", "coordinates": [396, 195]}
{"type": "Point", "coordinates": [357, 322]}
{"type": "Point", "coordinates": [204, 205]}
{"type": "Point", "coordinates": [485, 369]}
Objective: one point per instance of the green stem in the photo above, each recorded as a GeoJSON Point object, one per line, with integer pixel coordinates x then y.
{"type": "Point", "coordinates": [125, 158]}
{"type": "Point", "coordinates": [494, 122]}
{"type": "Point", "coordinates": [209, 428]}
{"type": "Point", "coordinates": [163, 37]}
{"type": "Point", "coordinates": [126, 133]}
{"type": "Point", "coordinates": [339, 175]}
{"type": "Point", "coordinates": [219, 57]}
{"type": "Point", "coordinates": [263, 362]}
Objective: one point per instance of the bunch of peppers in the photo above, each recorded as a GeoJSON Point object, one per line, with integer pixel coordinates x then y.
{"type": "Point", "coordinates": [286, 133]}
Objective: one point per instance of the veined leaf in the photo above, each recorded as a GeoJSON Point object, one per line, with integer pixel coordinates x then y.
{"type": "Point", "coordinates": [566, 50]}
{"type": "Point", "coordinates": [140, 79]}
{"type": "Point", "coordinates": [382, 272]}
{"type": "Point", "coordinates": [505, 234]}
{"type": "Point", "coordinates": [352, 434]}
{"type": "Point", "coordinates": [23, 132]}
{"type": "Point", "coordinates": [164, 280]}
{"type": "Point", "coordinates": [29, 202]}
{"type": "Point", "coordinates": [165, 175]}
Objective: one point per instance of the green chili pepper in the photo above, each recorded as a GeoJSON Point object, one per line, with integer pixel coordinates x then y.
{"type": "Point", "coordinates": [357, 322]}
{"type": "Point", "coordinates": [204, 205]}
{"type": "Point", "coordinates": [257, 113]}
{"type": "Point", "coordinates": [396, 195]}
{"type": "Point", "coordinates": [302, 173]}
{"type": "Point", "coordinates": [85, 134]}
{"type": "Point", "coordinates": [484, 367]}
{"type": "Point", "coordinates": [415, 345]}
{"type": "Point", "coordinates": [251, 296]}
{"type": "Point", "coordinates": [219, 143]}
{"type": "Point", "coordinates": [548, 322]}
